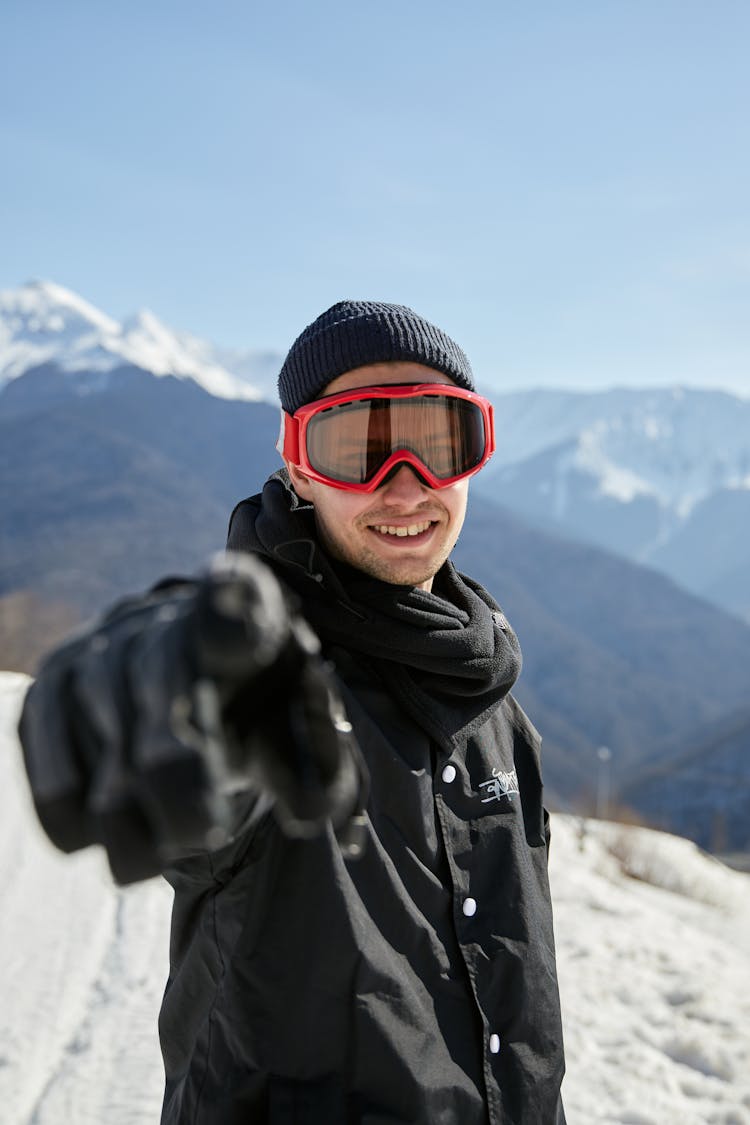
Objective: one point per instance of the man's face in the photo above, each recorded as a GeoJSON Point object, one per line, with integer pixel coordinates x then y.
{"type": "Point", "coordinates": [366, 529]}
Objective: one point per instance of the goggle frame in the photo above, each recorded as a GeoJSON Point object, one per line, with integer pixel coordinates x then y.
{"type": "Point", "coordinates": [292, 443]}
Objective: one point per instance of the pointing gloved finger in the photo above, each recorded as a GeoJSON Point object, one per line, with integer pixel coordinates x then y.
{"type": "Point", "coordinates": [240, 621]}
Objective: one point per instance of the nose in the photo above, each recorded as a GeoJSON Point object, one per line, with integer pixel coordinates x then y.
{"type": "Point", "coordinates": [403, 483]}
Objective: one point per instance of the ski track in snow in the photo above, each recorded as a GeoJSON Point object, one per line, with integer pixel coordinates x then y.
{"type": "Point", "coordinates": [654, 962]}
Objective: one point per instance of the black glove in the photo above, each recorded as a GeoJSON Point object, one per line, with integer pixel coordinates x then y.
{"type": "Point", "coordinates": [141, 733]}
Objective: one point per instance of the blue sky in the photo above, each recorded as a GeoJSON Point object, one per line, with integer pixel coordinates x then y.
{"type": "Point", "coordinates": [563, 186]}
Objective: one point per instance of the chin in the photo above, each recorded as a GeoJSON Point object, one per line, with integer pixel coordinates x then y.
{"type": "Point", "coordinates": [398, 577]}
{"type": "Point", "coordinates": [406, 573]}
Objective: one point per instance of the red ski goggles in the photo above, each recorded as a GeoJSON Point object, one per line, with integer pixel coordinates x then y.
{"type": "Point", "coordinates": [352, 440]}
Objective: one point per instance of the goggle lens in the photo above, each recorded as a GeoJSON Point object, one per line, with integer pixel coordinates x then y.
{"type": "Point", "coordinates": [349, 442]}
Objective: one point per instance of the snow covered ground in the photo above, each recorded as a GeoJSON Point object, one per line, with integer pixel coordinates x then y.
{"type": "Point", "coordinates": [654, 962]}
{"type": "Point", "coordinates": [82, 969]}
{"type": "Point", "coordinates": [654, 957]}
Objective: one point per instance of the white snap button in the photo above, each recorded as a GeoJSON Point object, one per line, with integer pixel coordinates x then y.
{"type": "Point", "coordinates": [469, 907]}
{"type": "Point", "coordinates": [449, 773]}
{"type": "Point", "coordinates": [494, 1044]}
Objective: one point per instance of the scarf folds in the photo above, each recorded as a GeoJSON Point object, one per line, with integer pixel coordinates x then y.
{"type": "Point", "coordinates": [449, 656]}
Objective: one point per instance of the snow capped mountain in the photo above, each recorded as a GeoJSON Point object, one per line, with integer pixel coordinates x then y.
{"type": "Point", "coordinates": [653, 941]}
{"type": "Point", "coordinates": [652, 474]}
{"type": "Point", "coordinates": [675, 444]}
{"type": "Point", "coordinates": [45, 323]}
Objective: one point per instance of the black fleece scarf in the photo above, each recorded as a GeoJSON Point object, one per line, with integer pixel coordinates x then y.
{"type": "Point", "coordinates": [449, 656]}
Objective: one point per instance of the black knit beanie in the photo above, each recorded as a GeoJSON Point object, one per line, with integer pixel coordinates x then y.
{"type": "Point", "coordinates": [354, 333]}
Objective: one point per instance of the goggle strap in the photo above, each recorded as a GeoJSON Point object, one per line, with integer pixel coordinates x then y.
{"type": "Point", "coordinates": [288, 440]}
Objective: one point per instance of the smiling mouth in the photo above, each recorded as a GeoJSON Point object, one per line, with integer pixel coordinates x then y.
{"type": "Point", "coordinates": [404, 531]}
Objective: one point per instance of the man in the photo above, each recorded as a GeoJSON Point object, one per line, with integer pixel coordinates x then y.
{"type": "Point", "coordinates": [330, 770]}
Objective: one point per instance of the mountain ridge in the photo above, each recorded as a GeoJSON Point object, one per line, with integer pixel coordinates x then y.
{"type": "Point", "coordinates": [45, 323]}
{"type": "Point", "coordinates": [661, 476]}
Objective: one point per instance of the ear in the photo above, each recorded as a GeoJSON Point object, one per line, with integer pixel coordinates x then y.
{"type": "Point", "coordinates": [302, 483]}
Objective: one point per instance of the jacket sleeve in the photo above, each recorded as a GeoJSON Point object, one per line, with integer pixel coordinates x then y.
{"type": "Point", "coordinates": [182, 716]}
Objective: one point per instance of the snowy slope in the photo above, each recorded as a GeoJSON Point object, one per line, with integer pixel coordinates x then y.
{"type": "Point", "coordinates": [676, 444]}
{"type": "Point", "coordinates": [654, 964]}
{"type": "Point", "coordinates": [45, 323]}
{"type": "Point", "coordinates": [660, 476]}
{"type": "Point", "coordinates": [654, 955]}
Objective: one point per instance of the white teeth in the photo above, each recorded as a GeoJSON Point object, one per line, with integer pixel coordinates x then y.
{"type": "Point", "coordinates": [412, 529]}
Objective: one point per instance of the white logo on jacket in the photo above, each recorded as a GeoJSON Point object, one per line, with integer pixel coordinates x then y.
{"type": "Point", "coordinates": [501, 784]}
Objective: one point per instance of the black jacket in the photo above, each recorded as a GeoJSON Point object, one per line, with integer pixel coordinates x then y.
{"type": "Point", "coordinates": [415, 985]}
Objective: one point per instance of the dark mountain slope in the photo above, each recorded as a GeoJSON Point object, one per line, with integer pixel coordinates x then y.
{"type": "Point", "coordinates": [700, 785]}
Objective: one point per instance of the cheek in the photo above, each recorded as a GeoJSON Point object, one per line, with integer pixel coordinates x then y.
{"type": "Point", "coordinates": [336, 507]}
{"type": "Point", "coordinates": [455, 499]}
